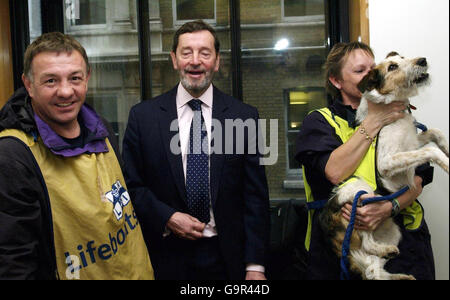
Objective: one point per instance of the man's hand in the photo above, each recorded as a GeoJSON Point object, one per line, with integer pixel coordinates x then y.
{"type": "Point", "coordinates": [253, 275]}
{"type": "Point", "coordinates": [185, 226]}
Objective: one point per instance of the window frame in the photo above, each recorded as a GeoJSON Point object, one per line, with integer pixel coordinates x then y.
{"type": "Point", "coordinates": [52, 13]}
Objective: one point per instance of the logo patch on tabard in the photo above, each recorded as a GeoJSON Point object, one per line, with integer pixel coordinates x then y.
{"type": "Point", "coordinates": [119, 197]}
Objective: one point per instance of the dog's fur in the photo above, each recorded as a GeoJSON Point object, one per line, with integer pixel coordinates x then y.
{"type": "Point", "coordinates": [399, 151]}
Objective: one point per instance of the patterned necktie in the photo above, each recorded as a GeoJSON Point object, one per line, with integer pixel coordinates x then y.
{"type": "Point", "coordinates": [197, 169]}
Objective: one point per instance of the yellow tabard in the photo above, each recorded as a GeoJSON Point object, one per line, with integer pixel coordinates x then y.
{"type": "Point", "coordinates": [96, 232]}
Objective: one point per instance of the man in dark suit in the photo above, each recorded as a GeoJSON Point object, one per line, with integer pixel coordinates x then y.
{"type": "Point", "coordinates": [204, 213]}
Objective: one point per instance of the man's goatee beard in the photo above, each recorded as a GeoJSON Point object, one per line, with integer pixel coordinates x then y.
{"type": "Point", "coordinates": [195, 88]}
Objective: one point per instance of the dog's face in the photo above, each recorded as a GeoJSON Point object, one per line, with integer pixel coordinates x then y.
{"type": "Point", "coordinates": [395, 78]}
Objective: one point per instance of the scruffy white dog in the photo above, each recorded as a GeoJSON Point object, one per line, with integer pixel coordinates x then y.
{"type": "Point", "coordinates": [399, 151]}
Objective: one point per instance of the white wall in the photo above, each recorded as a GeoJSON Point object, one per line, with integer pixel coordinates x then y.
{"type": "Point", "coordinates": [421, 28]}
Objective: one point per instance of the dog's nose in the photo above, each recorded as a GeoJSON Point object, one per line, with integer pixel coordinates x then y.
{"type": "Point", "coordinates": [422, 62]}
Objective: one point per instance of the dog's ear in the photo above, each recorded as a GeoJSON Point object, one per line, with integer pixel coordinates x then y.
{"type": "Point", "coordinates": [371, 81]}
{"type": "Point", "coordinates": [393, 53]}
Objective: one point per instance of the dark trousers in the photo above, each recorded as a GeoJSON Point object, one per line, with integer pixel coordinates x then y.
{"type": "Point", "coordinates": [188, 260]}
{"type": "Point", "coordinates": [206, 262]}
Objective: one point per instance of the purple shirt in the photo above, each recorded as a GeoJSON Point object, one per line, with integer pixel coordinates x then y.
{"type": "Point", "coordinates": [95, 144]}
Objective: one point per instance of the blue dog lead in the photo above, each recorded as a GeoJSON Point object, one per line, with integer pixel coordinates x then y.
{"type": "Point", "coordinates": [420, 126]}
{"type": "Point", "coordinates": [348, 234]}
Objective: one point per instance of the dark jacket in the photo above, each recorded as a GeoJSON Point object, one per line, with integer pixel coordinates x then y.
{"type": "Point", "coordinates": [26, 233]}
{"type": "Point", "coordinates": [155, 179]}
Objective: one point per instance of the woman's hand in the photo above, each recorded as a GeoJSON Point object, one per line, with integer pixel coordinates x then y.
{"type": "Point", "coordinates": [380, 115]}
{"type": "Point", "coordinates": [370, 216]}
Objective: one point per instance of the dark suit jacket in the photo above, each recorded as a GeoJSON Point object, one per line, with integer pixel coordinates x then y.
{"type": "Point", "coordinates": [155, 179]}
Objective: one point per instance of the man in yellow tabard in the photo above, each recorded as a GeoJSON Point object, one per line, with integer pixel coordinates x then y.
{"type": "Point", "coordinates": [65, 212]}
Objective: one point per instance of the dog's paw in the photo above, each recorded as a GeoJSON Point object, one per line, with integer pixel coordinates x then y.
{"type": "Point", "coordinates": [391, 252]}
{"type": "Point", "coordinates": [402, 277]}
{"type": "Point", "coordinates": [372, 272]}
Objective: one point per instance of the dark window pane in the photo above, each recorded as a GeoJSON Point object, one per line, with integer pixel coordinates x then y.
{"type": "Point", "coordinates": [195, 9]}
{"type": "Point", "coordinates": [297, 8]}
{"type": "Point", "coordinates": [91, 12]}
{"type": "Point", "coordinates": [300, 102]}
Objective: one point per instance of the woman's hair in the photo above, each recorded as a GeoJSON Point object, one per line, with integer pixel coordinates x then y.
{"type": "Point", "coordinates": [52, 42]}
{"type": "Point", "coordinates": [335, 61]}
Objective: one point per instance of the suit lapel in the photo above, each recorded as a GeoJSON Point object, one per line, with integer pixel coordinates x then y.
{"type": "Point", "coordinates": [216, 160]}
{"type": "Point", "coordinates": [167, 116]}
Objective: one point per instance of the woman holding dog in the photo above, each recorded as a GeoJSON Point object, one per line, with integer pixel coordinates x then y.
{"type": "Point", "coordinates": [327, 162]}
